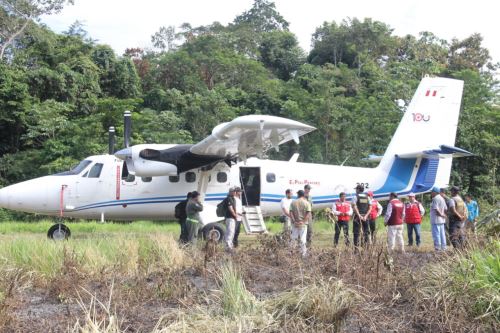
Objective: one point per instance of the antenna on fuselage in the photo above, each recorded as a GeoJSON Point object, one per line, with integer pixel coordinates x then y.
{"type": "Point", "coordinates": [111, 140]}
{"type": "Point", "coordinates": [127, 120]}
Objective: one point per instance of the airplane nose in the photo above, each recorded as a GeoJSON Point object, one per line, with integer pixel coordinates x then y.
{"type": "Point", "coordinates": [4, 200]}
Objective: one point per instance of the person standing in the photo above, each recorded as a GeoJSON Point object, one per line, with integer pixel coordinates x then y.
{"type": "Point", "coordinates": [438, 219]}
{"type": "Point", "coordinates": [361, 205]}
{"type": "Point", "coordinates": [393, 219]}
{"type": "Point", "coordinates": [473, 212]}
{"type": "Point", "coordinates": [343, 210]}
{"type": "Point", "coordinates": [413, 218]}
{"type": "Point", "coordinates": [457, 214]}
{"type": "Point", "coordinates": [193, 209]}
{"type": "Point", "coordinates": [180, 215]}
{"type": "Point", "coordinates": [285, 211]}
{"type": "Point", "coordinates": [300, 212]}
{"type": "Point", "coordinates": [239, 215]}
{"type": "Point", "coordinates": [372, 218]}
{"type": "Point", "coordinates": [230, 220]}
{"type": "Point", "coordinates": [308, 197]}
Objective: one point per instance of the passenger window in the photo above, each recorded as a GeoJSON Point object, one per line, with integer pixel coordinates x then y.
{"type": "Point", "coordinates": [95, 171]}
{"type": "Point", "coordinates": [173, 179]}
{"type": "Point", "coordinates": [271, 177]}
{"type": "Point", "coordinates": [190, 177]}
{"type": "Point", "coordinates": [221, 177]}
{"type": "Point", "coordinates": [147, 179]}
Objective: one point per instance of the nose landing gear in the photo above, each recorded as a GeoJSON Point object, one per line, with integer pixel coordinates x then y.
{"type": "Point", "coordinates": [59, 231]}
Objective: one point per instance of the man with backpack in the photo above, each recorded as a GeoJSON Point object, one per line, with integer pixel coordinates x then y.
{"type": "Point", "coordinates": [230, 215]}
{"type": "Point", "coordinates": [180, 215]}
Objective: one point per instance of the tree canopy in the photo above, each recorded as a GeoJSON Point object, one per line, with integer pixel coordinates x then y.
{"type": "Point", "coordinates": [60, 92]}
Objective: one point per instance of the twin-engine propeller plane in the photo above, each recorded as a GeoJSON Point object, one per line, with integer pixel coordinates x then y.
{"type": "Point", "coordinates": [146, 181]}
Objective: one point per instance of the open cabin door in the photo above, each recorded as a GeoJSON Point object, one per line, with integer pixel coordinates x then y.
{"type": "Point", "coordinates": [253, 220]}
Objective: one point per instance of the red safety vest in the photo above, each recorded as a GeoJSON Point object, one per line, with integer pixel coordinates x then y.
{"type": "Point", "coordinates": [412, 213]}
{"type": "Point", "coordinates": [396, 213]}
{"type": "Point", "coordinates": [343, 207]}
{"type": "Point", "coordinates": [374, 211]}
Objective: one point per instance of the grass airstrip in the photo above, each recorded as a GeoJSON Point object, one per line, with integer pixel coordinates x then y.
{"type": "Point", "coordinates": [134, 277]}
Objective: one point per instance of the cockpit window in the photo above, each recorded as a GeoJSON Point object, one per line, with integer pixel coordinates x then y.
{"type": "Point", "coordinates": [77, 169]}
{"type": "Point", "coordinates": [95, 171]}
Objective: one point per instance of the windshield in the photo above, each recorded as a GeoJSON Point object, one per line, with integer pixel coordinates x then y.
{"type": "Point", "coordinates": [77, 169]}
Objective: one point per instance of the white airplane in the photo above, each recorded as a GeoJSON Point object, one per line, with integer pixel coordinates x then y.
{"type": "Point", "coordinates": [146, 181]}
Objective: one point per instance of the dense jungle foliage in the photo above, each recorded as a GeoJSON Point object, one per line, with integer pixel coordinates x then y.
{"type": "Point", "coordinates": [59, 93]}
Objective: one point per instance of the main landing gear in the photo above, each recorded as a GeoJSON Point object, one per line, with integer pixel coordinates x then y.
{"type": "Point", "coordinates": [59, 231]}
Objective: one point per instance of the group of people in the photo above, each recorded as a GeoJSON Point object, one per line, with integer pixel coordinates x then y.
{"type": "Point", "coordinates": [364, 209]}
{"type": "Point", "coordinates": [188, 214]}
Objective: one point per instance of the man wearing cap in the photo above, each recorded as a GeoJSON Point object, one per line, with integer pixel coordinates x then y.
{"type": "Point", "coordinates": [308, 197]}
{"type": "Point", "coordinates": [239, 213]}
{"type": "Point", "coordinates": [438, 219]}
{"type": "Point", "coordinates": [300, 212]}
{"type": "Point", "coordinates": [394, 217]}
{"type": "Point", "coordinates": [230, 220]}
{"type": "Point", "coordinates": [361, 204]}
{"type": "Point", "coordinates": [343, 210]}
{"type": "Point", "coordinates": [413, 217]}
{"type": "Point", "coordinates": [193, 209]}
{"type": "Point", "coordinates": [374, 213]}
{"type": "Point", "coordinates": [457, 214]}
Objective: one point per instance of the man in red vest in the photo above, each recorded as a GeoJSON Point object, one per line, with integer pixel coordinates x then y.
{"type": "Point", "coordinates": [413, 217]}
{"type": "Point", "coordinates": [374, 213]}
{"type": "Point", "coordinates": [343, 210]}
{"type": "Point", "coordinates": [394, 217]}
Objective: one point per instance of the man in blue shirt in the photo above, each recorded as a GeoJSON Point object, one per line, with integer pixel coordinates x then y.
{"type": "Point", "coordinates": [473, 210]}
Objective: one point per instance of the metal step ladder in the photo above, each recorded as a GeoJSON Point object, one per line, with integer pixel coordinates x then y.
{"type": "Point", "coordinates": [253, 221]}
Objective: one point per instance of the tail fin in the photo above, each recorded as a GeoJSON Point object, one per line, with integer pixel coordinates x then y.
{"type": "Point", "coordinates": [428, 127]}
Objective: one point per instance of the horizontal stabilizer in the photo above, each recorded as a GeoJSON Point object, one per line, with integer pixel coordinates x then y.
{"type": "Point", "coordinates": [444, 151]}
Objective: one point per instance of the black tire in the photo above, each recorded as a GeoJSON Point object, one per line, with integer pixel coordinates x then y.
{"type": "Point", "coordinates": [213, 229]}
{"type": "Point", "coordinates": [59, 232]}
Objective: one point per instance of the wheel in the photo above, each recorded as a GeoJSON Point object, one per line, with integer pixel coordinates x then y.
{"type": "Point", "coordinates": [59, 232]}
{"type": "Point", "coordinates": [214, 231]}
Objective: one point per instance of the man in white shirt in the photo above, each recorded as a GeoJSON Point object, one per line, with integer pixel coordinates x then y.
{"type": "Point", "coordinates": [438, 219]}
{"type": "Point", "coordinates": [285, 211]}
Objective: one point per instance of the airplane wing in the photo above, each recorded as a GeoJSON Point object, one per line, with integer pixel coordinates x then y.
{"type": "Point", "coordinates": [240, 138]}
{"type": "Point", "coordinates": [250, 135]}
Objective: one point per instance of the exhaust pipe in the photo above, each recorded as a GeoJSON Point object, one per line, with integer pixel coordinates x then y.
{"type": "Point", "coordinates": [127, 119]}
{"type": "Point", "coordinates": [111, 140]}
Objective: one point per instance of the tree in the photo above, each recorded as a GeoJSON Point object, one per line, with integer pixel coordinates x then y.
{"type": "Point", "coordinates": [15, 15]}
{"type": "Point", "coordinates": [164, 39]}
{"type": "Point", "coordinates": [262, 17]}
{"type": "Point", "coordinates": [280, 52]}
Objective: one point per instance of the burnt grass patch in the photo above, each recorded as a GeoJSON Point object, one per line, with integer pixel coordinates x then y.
{"type": "Point", "coordinates": [386, 287]}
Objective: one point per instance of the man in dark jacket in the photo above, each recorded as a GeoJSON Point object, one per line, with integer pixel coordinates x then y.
{"type": "Point", "coordinates": [180, 215]}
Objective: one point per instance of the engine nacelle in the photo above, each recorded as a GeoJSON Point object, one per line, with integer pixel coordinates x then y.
{"type": "Point", "coordinates": [141, 167]}
{"type": "Point", "coordinates": [145, 168]}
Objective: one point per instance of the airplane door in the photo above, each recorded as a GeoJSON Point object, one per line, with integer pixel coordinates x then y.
{"type": "Point", "coordinates": [250, 184]}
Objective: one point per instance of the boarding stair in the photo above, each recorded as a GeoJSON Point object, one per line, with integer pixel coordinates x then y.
{"type": "Point", "coordinates": [253, 221]}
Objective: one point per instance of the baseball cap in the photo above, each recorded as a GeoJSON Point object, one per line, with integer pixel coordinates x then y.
{"type": "Point", "coordinates": [436, 189]}
{"type": "Point", "coordinates": [411, 194]}
{"type": "Point", "coordinates": [370, 193]}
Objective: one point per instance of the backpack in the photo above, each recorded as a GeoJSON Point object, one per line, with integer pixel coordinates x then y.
{"type": "Point", "coordinates": [222, 208]}
{"type": "Point", "coordinates": [180, 210]}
